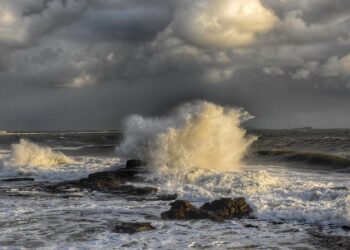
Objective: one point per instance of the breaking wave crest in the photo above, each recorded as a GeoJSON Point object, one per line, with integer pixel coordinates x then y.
{"type": "Point", "coordinates": [322, 161]}
{"type": "Point", "coordinates": [196, 137]}
{"type": "Point", "coordinates": [27, 153]}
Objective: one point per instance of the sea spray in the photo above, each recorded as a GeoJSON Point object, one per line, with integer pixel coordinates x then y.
{"type": "Point", "coordinates": [196, 137]}
{"type": "Point", "coordinates": [27, 153]}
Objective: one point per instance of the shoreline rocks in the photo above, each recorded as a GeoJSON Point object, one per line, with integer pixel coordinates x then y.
{"type": "Point", "coordinates": [133, 227]}
{"type": "Point", "coordinates": [228, 208]}
{"type": "Point", "coordinates": [115, 182]}
{"type": "Point", "coordinates": [217, 210]}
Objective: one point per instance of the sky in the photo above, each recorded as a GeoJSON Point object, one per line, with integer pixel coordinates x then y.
{"type": "Point", "coordinates": [87, 64]}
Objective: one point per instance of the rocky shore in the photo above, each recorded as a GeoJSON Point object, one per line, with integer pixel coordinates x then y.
{"type": "Point", "coordinates": [114, 182]}
{"type": "Point", "coordinates": [119, 182]}
{"type": "Point", "coordinates": [129, 182]}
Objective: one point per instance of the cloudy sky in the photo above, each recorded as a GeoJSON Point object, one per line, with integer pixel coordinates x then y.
{"type": "Point", "coordinates": [86, 64]}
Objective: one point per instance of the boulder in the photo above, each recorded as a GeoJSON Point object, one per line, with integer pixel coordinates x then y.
{"type": "Point", "coordinates": [133, 227]}
{"type": "Point", "coordinates": [217, 210]}
{"type": "Point", "coordinates": [101, 181]}
{"type": "Point", "coordinates": [184, 210]}
{"type": "Point", "coordinates": [113, 182]}
{"type": "Point", "coordinates": [109, 181]}
{"type": "Point", "coordinates": [134, 163]}
{"type": "Point", "coordinates": [178, 210]}
{"type": "Point", "coordinates": [228, 208]}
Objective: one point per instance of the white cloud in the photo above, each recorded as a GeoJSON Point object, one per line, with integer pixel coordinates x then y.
{"type": "Point", "coordinates": [337, 67]}
{"type": "Point", "coordinates": [82, 81]}
{"type": "Point", "coordinates": [225, 23]}
{"type": "Point", "coordinates": [300, 74]}
{"type": "Point", "coordinates": [217, 75]}
{"type": "Point", "coordinates": [12, 27]}
{"type": "Point", "coordinates": [19, 29]}
{"type": "Point", "coordinates": [273, 71]}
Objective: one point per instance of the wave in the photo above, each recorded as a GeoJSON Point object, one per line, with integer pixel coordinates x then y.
{"type": "Point", "coordinates": [196, 137]}
{"type": "Point", "coordinates": [324, 160]}
{"type": "Point", "coordinates": [26, 153]}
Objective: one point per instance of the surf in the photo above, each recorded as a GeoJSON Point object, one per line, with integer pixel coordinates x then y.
{"type": "Point", "coordinates": [195, 137]}
{"type": "Point", "coordinates": [318, 160]}
{"type": "Point", "coordinates": [27, 153]}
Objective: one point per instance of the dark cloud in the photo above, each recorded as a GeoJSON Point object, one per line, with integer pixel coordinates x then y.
{"type": "Point", "coordinates": [139, 22]}
{"type": "Point", "coordinates": [88, 63]}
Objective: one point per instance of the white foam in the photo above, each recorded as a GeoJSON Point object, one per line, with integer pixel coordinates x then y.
{"type": "Point", "coordinates": [273, 192]}
{"type": "Point", "coordinates": [26, 153]}
{"type": "Point", "coordinates": [197, 152]}
{"type": "Point", "coordinates": [43, 163]}
{"type": "Point", "coordinates": [196, 137]}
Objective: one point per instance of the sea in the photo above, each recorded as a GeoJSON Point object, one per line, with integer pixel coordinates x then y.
{"type": "Point", "coordinates": [296, 181]}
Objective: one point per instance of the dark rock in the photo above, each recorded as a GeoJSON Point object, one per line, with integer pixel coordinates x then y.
{"type": "Point", "coordinates": [133, 227]}
{"type": "Point", "coordinates": [182, 205]}
{"type": "Point", "coordinates": [277, 222]}
{"type": "Point", "coordinates": [166, 197]}
{"type": "Point", "coordinates": [250, 226]}
{"type": "Point", "coordinates": [100, 181]}
{"type": "Point", "coordinates": [228, 208]}
{"type": "Point", "coordinates": [132, 190]}
{"type": "Point", "coordinates": [178, 210]}
{"type": "Point", "coordinates": [346, 227]}
{"type": "Point", "coordinates": [134, 163]}
{"type": "Point", "coordinates": [217, 210]}
{"type": "Point", "coordinates": [109, 181]}
{"type": "Point", "coordinates": [198, 214]}
{"type": "Point", "coordinates": [184, 210]}
{"type": "Point", "coordinates": [19, 179]}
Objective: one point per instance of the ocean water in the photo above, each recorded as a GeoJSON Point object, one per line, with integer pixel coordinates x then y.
{"type": "Point", "coordinates": [298, 203]}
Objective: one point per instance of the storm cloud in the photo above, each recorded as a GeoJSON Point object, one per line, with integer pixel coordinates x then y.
{"type": "Point", "coordinates": [86, 64]}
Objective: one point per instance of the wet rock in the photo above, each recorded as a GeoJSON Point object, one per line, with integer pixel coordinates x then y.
{"type": "Point", "coordinates": [228, 208]}
{"type": "Point", "coordinates": [101, 181]}
{"type": "Point", "coordinates": [19, 179]}
{"type": "Point", "coordinates": [133, 227]}
{"type": "Point", "coordinates": [250, 226]}
{"type": "Point", "coordinates": [132, 190]}
{"type": "Point", "coordinates": [134, 163]}
{"type": "Point", "coordinates": [184, 210]}
{"type": "Point", "coordinates": [217, 210]}
{"type": "Point", "coordinates": [110, 181]}
{"type": "Point", "coordinates": [167, 197]}
{"type": "Point", "coordinates": [182, 205]}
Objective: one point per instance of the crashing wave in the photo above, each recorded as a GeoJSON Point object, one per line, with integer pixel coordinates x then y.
{"type": "Point", "coordinates": [26, 153]}
{"type": "Point", "coordinates": [196, 137]}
